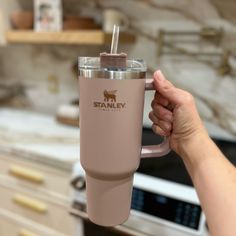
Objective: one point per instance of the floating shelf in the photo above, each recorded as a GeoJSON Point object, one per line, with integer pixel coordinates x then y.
{"type": "Point", "coordinates": [89, 37]}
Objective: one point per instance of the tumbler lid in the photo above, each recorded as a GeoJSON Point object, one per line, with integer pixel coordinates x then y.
{"type": "Point", "coordinates": [90, 67]}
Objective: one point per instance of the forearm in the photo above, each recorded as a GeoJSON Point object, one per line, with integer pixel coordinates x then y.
{"type": "Point", "coordinates": [214, 178]}
{"type": "Point", "coordinates": [212, 174]}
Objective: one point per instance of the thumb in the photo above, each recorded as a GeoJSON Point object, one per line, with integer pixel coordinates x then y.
{"type": "Point", "coordinates": [167, 89]}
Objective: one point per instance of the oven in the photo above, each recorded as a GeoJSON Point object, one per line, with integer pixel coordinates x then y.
{"type": "Point", "coordinates": [164, 201]}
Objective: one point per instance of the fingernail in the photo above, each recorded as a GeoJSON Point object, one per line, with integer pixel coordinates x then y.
{"type": "Point", "coordinates": [161, 77]}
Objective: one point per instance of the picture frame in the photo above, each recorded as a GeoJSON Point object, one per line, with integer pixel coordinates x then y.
{"type": "Point", "coordinates": [47, 15]}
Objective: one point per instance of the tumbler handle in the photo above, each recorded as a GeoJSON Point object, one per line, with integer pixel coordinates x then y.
{"type": "Point", "coordinates": [160, 149]}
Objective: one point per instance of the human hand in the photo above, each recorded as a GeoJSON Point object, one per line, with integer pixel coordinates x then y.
{"type": "Point", "coordinates": [174, 114]}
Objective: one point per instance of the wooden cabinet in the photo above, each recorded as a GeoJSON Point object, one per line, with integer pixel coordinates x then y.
{"type": "Point", "coordinates": [13, 225]}
{"type": "Point", "coordinates": [36, 192]}
{"type": "Point", "coordinates": [35, 175]}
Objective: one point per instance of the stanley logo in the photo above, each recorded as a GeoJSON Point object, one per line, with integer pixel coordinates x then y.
{"type": "Point", "coordinates": [109, 95]}
{"type": "Point", "coordinates": [109, 102]}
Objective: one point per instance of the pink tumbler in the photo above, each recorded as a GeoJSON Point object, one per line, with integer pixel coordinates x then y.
{"type": "Point", "coordinates": [111, 121]}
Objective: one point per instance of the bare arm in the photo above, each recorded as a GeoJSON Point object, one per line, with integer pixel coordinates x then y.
{"type": "Point", "coordinates": [214, 177]}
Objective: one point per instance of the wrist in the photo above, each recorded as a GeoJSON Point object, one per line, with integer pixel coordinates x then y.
{"type": "Point", "coordinates": [193, 150]}
{"type": "Point", "coordinates": [192, 143]}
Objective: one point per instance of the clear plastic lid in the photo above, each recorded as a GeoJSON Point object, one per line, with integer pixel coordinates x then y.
{"type": "Point", "coordinates": [93, 63]}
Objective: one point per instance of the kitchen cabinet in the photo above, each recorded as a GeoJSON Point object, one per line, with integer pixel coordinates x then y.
{"type": "Point", "coordinates": [27, 190]}
{"type": "Point", "coordinates": [12, 225]}
{"type": "Point", "coordinates": [35, 175]}
{"type": "Point", "coordinates": [35, 187]}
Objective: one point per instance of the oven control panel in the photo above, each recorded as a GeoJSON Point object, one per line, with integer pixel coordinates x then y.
{"type": "Point", "coordinates": [167, 203]}
{"type": "Point", "coordinates": [163, 207]}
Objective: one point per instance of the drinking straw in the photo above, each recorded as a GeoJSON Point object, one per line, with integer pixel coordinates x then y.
{"type": "Point", "coordinates": [115, 39]}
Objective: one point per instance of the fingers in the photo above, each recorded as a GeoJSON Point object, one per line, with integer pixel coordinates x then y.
{"type": "Point", "coordinates": [158, 130]}
{"type": "Point", "coordinates": [168, 90]}
{"type": "Point", "coordinates": [166, 102]}
{"type": "Point", "coordinates": [161, 117]}
{"type": "Point", "coordinates": [161, 100]}
{"type": "Point", "coordinates": [164, 125]}
{"type": "Point", "coordinates": [162, 113]}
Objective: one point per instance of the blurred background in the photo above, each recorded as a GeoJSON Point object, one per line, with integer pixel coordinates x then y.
{"type": "Point", "coordinates": [192, 42]}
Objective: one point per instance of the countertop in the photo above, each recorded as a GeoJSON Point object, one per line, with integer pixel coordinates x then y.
{"type": "Point", "coordinates": [39, 137]}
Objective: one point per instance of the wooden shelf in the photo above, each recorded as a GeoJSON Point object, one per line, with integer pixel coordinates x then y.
{"type": "Point", "coordinates": [89, 37]}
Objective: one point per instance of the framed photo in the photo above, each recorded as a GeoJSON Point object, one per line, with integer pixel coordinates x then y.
{"type": "Point", "coordinates": [48, 15]}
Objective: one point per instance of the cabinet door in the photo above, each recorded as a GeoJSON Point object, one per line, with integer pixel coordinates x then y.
{"type": "Point", "coordinates": [37, 208]}
{"type": "Point", "coordinates": [7, 229]}
{"type": "Point", "coordinates": [35, 176]}
{"type": "Point", "coordinates": [14, 227]}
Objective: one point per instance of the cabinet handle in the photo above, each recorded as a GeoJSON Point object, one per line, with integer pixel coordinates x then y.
{"type": "Point", "coordinates": [30, 203]}
{"type": "Point", "coordinates": [25, 232]}
{"type": "Point", "coordinates": [27, 174]}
